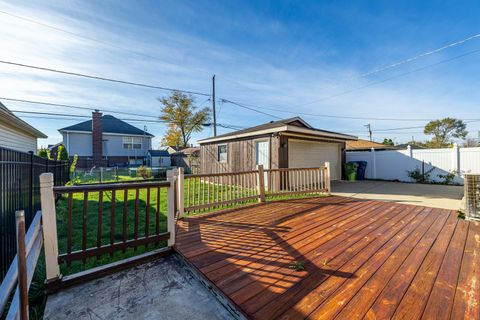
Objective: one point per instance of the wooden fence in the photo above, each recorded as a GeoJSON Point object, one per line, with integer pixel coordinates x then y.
{"type": "Point", "coordinates": [202, 192]}
{"type": "Point", "coordinates": [20, 190]}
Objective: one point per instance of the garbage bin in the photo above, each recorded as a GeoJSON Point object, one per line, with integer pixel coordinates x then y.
{"type": "Point", "coordinates": [362, 166]}
{"type": "Point", "coordinates": [351, 171]}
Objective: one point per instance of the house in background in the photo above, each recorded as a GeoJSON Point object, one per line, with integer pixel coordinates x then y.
{"type": "Point", "coordinates": [365, 145]}
{"type": "Point", "coordinates": [187, 158]}
{"type": "Point", "coordinates": [288, 143]}
{"type": "Point", "coordinates": [158, 158]}
{"type": "Point", "coordinates": [16, 134]}
{"type": "Point", "coordinates": [106, 141]}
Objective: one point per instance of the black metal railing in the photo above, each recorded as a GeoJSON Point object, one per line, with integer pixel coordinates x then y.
{"type": "Point", "coordinates": [20, 190]}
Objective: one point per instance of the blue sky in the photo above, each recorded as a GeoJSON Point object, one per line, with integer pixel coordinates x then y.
{"type": "Point", "coordinates": [290, 56]}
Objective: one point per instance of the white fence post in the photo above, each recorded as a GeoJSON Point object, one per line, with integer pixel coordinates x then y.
{"type": "Point", "coordinates": [456, 160]}
{"type": "Point", "coordinates": [374, 164]}
{"type": "Point", "coordinates": [261, 183]}
{"type": "Point", "coordinates": [327, 178]}
{"type": "Point", "coordinates": [180, 192]}
{"type": "Point", "coordinates": [171, 207]}
{"type": "Point", "coordinates": [49, 219]}
{"type": "Point", "coordinates": [410, 151]}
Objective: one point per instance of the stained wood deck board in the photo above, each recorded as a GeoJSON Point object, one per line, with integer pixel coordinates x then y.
{"type": "Point", "coordinates": [362, 259]}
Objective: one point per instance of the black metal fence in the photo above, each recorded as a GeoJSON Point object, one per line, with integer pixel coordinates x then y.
{"type": "Point", "coordinates": [20, 189]}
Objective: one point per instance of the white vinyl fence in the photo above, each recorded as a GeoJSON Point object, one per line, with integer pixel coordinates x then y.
{"type": "Point", "coordinates": [395, 164]}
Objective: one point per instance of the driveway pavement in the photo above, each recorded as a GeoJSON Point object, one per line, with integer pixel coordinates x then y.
{"type": "Point", "coordinates": [429, 195]}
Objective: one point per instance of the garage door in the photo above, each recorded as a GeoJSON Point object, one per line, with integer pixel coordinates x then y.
{"type": "Point", "coordinates": [307, 154]}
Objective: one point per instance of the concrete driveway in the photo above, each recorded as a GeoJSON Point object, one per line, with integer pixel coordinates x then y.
{"type": "Point", "coordinates": [429, 195]}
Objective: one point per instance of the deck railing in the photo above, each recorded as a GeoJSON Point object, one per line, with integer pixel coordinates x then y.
{"type": "Point", "coordinates": [103, 219]}
{"type": "Point", "coordinates": [287, 181]}
{"type": "Point", "coordinates": [203, 192]}
{"type": "Point", "coordinates": [21, 270]}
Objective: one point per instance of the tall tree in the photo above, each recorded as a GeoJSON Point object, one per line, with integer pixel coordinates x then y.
{"type": "Point", "coordinates": [444, 131]}
{"type": "Point", "coordinates": [173, 137]}
{"type": "Point", "coordinates": [388, 142]}
{"type": "Point", "coordinates": [180, 111]}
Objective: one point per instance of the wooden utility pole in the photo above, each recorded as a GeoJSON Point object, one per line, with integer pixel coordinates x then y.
{"type": "Point", "coordinates": [369, 128]}
{"type": "Point", "coordinates": [213, 107]}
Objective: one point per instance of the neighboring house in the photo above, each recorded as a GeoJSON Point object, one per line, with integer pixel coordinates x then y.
{"type": "Point", "coordinates": [158, 158]}
{"type": "Point", "coordinates": [17, 134]}
{"type": "Point", "coordinates": [106, 141]}
{"type": "Point", "coordinates": [405, 145]}
{"type": "Point", "coordinates": [288, 143]}
{"type": "Point", "coordinates": [172, 149]}
{"type": "Point", "coordinates": [365, 145]}
{"type": "Point", "coordinates": [187, 158]}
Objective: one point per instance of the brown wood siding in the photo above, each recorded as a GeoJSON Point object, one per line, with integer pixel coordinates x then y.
{"type": "Point", "coordinates": [240, 155]}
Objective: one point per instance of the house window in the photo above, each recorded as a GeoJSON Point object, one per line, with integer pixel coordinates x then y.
{"type": "Point", "coordinates": [132, 143]}
{"type": "Point", "coordinates": [222, 153]}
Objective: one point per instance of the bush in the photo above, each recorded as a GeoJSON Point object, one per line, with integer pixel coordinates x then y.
{"type": "Point", "coordinates": [419, 177]}
{"type": "Point", "coordinates": [43, 153]}
{"type": "Point", "coordinates": [448, 178]}
{"type": "Point", "coordinates": [62, 153]}
{"type": "Point", "coordinates": [144, 172]}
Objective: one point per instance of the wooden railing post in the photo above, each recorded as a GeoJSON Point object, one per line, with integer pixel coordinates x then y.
{"type": "Point", "coordinates": [171, 207]}
{"type": "Point", "coordinates": [49, 219]}
{"type": "Point", "coordinates": [22, 265]}
{"type": "Point", "coordinates": [327, 177]}
{"type": "Point", "coordinates": [261, 183]}
{"type": "Point", "coordinates": [180, 192]}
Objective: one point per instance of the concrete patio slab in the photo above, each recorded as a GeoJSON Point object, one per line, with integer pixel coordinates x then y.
{"type": "Point", "coordinates": [429, 195]}
{"type": "Point", "coordinates": [162, 289]}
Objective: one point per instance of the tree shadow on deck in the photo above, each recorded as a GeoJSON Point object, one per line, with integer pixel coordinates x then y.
{"type": "Point", "coordinates": [250, 254]}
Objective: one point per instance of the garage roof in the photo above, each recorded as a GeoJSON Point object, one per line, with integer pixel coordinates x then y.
{"type": "Point", "coordinates": [295, 124]}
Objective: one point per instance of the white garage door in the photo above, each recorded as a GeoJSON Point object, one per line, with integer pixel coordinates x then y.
{"type": "Point", "coordinates": [307, 154]}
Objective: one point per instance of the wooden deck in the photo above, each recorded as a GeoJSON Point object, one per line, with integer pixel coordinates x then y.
{"type": "Point", "coordinates": [363, 259]}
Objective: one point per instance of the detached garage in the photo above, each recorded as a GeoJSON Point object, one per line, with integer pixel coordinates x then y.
{"type": "Point", "coordinates": [288, 143]}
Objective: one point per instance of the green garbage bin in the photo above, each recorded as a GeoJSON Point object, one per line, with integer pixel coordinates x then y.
{"type": "Point", "coordinates": [351, 171]}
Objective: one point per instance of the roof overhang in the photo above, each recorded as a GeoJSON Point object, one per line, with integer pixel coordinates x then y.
{"type": "Point", "coordinates": [18, 123]}
{"type": "Point", "coordinates": [283, 129]}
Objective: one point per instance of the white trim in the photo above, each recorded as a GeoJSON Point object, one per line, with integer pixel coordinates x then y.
{"type": "Point", "coordinates": [285, 128]}
{"type": "Point", "coordinates": [218, 153]}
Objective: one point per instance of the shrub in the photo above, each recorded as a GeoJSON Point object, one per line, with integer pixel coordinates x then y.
{"type": "Point", "coordinates": [144, 172]}
{"type": "Point", "coordinates": [43, 153]}
{"type": "Point", "coordinates": [62, 153]}
{"type": "Point", "coordinates": [448, 178]}
{"type": "Point", "coordinates": [417, 175]}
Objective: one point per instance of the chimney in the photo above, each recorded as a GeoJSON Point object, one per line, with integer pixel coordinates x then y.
{"type": "Point", "coordinates": [97, 138]}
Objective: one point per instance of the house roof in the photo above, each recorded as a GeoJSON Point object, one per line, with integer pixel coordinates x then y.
{"type": "Point", "coordinates": [15, 121]}
{"type": "Point", "coordinates": [110, 124]}
{"type": "Point", "coordinates": [362, 144]}
{"type": "Point", "coordinates": [405, 145]}
{"type": "Point", "coordinates": [159, 153]}
{"type": "Point", "coordinates": [187, 151]}
{"type": "Point", "coordinates": [295, 124]}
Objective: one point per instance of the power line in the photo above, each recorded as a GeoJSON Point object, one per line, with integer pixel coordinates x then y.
{"type": "Point", "coordinates": [137, 84]}
{"type": "Point", "coordinates": [356, 89]}
{"type": "Point", "coordinates": [55, 116]}
{"type": "Point", "coordinates": [421, 55]}
{"type": "Point", "coordinates": [75, 107]}
{"type": "Point", "coordinates": [395, 77]}
{"type": "Point", "coordinates": [247, 107]}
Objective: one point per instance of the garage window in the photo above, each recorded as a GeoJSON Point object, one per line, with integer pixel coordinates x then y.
{"type": "Point", "coordinates": [222, 153]}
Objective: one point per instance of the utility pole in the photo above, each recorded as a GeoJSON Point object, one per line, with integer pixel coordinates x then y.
{"type": "Point", "coordinates": [369, 128]}
{"type": "Point", "coordinates": [213, 107]}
